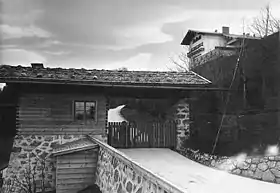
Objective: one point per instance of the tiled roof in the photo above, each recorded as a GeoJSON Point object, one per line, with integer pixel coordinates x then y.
{"type": "Point", "coordinates": [100, 77]}
{"type": "Point", "coordinates": [74, 146]}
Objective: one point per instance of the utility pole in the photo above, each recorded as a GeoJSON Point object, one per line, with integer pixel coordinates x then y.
{"type": "Point", "coordinates": [243, 71]}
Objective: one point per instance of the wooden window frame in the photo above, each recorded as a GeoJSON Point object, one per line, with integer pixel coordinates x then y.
{"type": "Point", "coordinates": [84, 117]}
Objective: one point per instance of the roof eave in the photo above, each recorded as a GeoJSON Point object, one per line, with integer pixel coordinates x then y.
{"type": "Point", "coordinates": [112, 84]}
{"type": "Point", "coordinates": [68, 151]}
{"type": "Point", "coordinates": [191, 33]}
{"type": "Point", "coordinates": [188, 37]}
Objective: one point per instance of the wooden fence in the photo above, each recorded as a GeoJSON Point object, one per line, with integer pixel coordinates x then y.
{"type": "Point", "coordinates": [142, 135]}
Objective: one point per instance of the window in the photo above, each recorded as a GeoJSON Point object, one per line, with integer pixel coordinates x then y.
{"type": "Point", "coordinates": [85, 110]}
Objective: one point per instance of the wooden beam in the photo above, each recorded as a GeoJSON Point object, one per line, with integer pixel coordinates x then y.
{"type": "Point", "coordinates": [162, 86]}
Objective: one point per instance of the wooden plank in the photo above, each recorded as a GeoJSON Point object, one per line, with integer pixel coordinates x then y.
{"type": "Point", "coordinates": [68, 191]}
{"type": "Point", "coordinates": [74, 181]}
{"type": "Point", "coordinates": [39, 111]}
{"type": "Point", "coordinates": [173, 135]}
{"type": "Point", "coordinates": [76, 161]}
{"type": "Point", "coordinates": [77, 165]}
{"type": "Point", "coordinates": [75, 186]}
{"type": "Point", "coordinates": [77, 157]}
{"type": "Point", "coordinates": [164, 134]}
{"type": "Point", "coordinates": [75, 170]}
{"type": "Point", "coordinates": [89, 154]}
{"type": "Point", "coordinates": [64, 132]}
{"type": "Point", "coordinates": [90, 175]}
{"type": "Point", "coordinates": [155, 134]}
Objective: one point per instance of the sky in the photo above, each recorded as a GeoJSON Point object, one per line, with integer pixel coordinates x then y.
{"type": "Point", "coordinates": [110, 34]}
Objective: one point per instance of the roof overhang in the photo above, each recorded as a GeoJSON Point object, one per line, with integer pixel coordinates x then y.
{"type": "Point", "coordinates": [82, 148]}
{"type": "Point", "coordinates": [208, 86]}
{"type": "Point", "coordinates": [192, 33]}
{"type": "Point", "coordinates": [82, 144]}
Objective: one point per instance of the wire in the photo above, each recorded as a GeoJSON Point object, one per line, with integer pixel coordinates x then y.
{"type": "Point", "coordinates": [228, 95]}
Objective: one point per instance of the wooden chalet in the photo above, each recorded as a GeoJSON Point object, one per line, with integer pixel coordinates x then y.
{"type": "Point", "coordinates": [56, 106]}
{"type": "Point", "coordinates": [76, 101]}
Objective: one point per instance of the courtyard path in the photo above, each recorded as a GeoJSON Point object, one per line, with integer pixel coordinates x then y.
{"type": "Point", "coordinates": [194, 177]}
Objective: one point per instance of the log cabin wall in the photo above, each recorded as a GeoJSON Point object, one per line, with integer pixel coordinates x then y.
{"type": "Point", "coordinates": [51, 113]}
{"type": "Point", "coordinates": [45, 119]}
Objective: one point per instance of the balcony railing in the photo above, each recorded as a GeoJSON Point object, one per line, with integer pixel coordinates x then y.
{"type": "Point", "coordinates": [209, 56]}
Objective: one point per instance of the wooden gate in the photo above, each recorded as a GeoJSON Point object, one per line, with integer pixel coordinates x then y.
{"type": "Point", "coordinates": [142, 135]}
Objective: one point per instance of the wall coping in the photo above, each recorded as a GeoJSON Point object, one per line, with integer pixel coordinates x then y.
{"type": "Point", "coordinates": [154, 177]}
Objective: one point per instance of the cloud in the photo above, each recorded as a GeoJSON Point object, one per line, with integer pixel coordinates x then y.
{"type": "Point", "coordinates": [138, 62]}
{"type": "Point", "coordinates": [132, 37]}
{"type": "Point", "coordinates": [10, 32]}
{"type": "Point", "coordinates": [20, 57]}
{"type": "Point", "coordinates": [112, 34]}
{"type": "Point", "coordinates": [57, 53]}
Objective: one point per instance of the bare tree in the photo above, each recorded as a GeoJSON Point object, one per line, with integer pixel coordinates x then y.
{"type": "Point", "coordinates": [27, 182]}
{"type": "Point", "coordinates": [181, 61]}
{"type": "Point", "coordinates": [122, 69]}
{"type": "Point", "coordinates": [265, 24]}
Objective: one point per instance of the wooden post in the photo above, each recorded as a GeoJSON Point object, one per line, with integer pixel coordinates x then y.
{"type": "Point", "coordinates": [128, 134]}
{"type": "Point", "coordinates": [109, 134]}
{"type": "Point", "coordinates": [123, 140]}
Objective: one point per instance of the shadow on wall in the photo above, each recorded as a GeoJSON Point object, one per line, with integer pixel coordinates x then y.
{"type": "Point", "coordinates": [7, 122]}
{"type": "Point", "coordinates": [91, 189]}
{"type": "Point", "coordinates": [141, 110]}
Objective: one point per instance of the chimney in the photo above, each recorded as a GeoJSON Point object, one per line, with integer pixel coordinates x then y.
{"type": "Point", "coordinates": [225, 30]}
{"type": "Point", "coordinates": [37, 65]}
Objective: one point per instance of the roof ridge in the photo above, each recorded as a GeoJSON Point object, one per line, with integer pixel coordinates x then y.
{"type": "Point", "coordinates": [88, 69]}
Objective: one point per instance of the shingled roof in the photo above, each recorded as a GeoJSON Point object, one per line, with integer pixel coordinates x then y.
{"type": "Point", "coordinates": [78, 145]}
{"type": "Point", "coordinates": [99, 77]}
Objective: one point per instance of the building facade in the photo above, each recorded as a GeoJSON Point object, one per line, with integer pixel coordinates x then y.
{"type": "Point", "coordinates": [205, 46]}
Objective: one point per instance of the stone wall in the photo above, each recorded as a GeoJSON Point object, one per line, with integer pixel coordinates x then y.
{"type": "Point", "coordinates": [31, 157]}
{"type": "Point", "coordinates": [265, 168]}
{"type": "Point", "coordinates": [182, 119]}
{"type": "Point", "coordinates": [118, 174]}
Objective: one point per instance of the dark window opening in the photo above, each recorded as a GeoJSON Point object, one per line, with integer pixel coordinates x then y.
{"type": "Point", "coordinates": [85, 110]}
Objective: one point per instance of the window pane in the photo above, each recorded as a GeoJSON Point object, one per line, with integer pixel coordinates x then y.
{"type": "Point", "coordinates": [90, 111]}
{"type": "Point", "coordinates": [79, 110]}
{"type": "Point", "coordinates": [79, 106]}
{"type": "Point", "coordinates": [90, 104]}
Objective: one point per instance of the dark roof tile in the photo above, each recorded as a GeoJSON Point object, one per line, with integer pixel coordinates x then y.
{"type": "Point", "coordinates": [95, 77]}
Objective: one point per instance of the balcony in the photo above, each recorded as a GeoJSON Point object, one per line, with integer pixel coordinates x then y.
{"type": "Point", "coordinates": [212, 55]}
{"type": "Point", "coordinates": [195, 50]}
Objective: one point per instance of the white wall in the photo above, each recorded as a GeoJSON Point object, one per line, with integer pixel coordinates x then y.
{"type": "Point", "coordinates": [211, 41]}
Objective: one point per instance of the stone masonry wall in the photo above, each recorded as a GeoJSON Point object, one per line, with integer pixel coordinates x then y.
{"type": "Point", "coordinates": [31, 157]}
{"type": "Point", "coordinates": [266, 168]}
{"type": "Point", "coordinates": [114, 175]}
{"type": "Point", "coordinates": [182, 119]}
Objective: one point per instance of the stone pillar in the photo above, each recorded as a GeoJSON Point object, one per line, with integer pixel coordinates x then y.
{"type": "Point", "coordinates": [182, 119]}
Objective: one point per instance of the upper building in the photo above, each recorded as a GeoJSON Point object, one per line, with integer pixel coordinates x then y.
{"type": "Point", "coordinates": [204, 46]}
